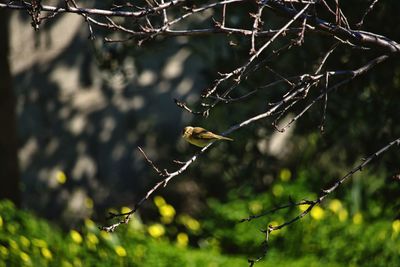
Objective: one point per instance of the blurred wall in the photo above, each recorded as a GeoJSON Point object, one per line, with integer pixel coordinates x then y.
{"type": "Point", "coordinates": [83, 110]}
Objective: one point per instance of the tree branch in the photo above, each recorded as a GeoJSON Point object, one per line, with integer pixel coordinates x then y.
{"type": "Point", "coordinates": [312, 203]}
{"type": "Point", "coordinates": [356, 37]}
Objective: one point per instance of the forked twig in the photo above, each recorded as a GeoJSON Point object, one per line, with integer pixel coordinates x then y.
{"type": "Point", "coordinates": [312, 203]}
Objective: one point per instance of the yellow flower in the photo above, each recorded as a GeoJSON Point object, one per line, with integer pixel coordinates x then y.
{"type": "Point", "coordinates": [167, 220]}
{"type": "Point", "coordinates": [12, 228]}
{"type": "Point", "coordinates": [343, 215]}
{"type": "Point", "coordinates": [13, 245]}
{"type": "Point", "coordinates": [182, 239]}
{"type": "Point", "coordinates": [91, 241]}
{"type": "Point", "coordinates": [159, 201]}
{"type": "Point", "coordinates": [167, 212]}
{"type": "Point", "coordinates": [90, 224]}
{"type": "Point", "coordinates": [255, 207]}
{"type": "Point", "coordinates": [277, 190]}
{"type": "Point", "coordinates": [24, 257]}
{"type": "Point", "coordinates": [396, 226]}
{"type": "Point", "coordinates": [303, 208]}
{"type": "Point", "coordinates": [39, 243]}
{"type": "Point", "coordinates": [120, 251]}
{"type": "Point", "coordinates": [335, 205]}
{"type": "Point", "coordinates": [125, 210]}
{"type": "Point", "coordinates": [193, 224]}
{"type": "Point", "coordinates": [3, 251]}
{"type": "Point", "coordinates": [317, 213]}
{"type": "Point", "coordinates": [190, 223]}
{"type": "Point", "coordinates": [285, 175]}
{"type": "Point", "coordinates": [274, 223]}
{"type": "Point", "coordinates": [105, 235]}
{"type": "Point", "coordinates": [92, 238]}
{"type": "Point", "coordinates": [156, 230]}
{"type": "Point", "coordinates": [76, 236]}
{"type": "Point", "coordinates": [61, 177]}
{"type": "Point", "coordinates": [112, 210]}
{"type": "Point", "coordinates": [88, 203]}
{"type": "Point", "coordinates": [46, 253]}
{"type": "Point", "coordinates": [66, 264]}
{"type": "Point", "coordinates": [24, 241]}
{"type": "Point", "coordinates": [357, 218]}
{"type": "Point", "coordinates": [77, 262]}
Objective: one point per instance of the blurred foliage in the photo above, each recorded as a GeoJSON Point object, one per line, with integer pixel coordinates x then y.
{"type": "Point", "coordinates": [26, 240]}
{"type": "Point", "coordinates": [331, 235]}
{"type": "Point", "coordinates": [333, 231]}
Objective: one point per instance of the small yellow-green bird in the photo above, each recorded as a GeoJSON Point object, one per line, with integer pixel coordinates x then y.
{"type": "Point", "coordinates": [201, 137]}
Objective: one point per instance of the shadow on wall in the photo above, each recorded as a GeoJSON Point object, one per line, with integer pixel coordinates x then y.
{"type": "Point", "coordinates": [83, 108]}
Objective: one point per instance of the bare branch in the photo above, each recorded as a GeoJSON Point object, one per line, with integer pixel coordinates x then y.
{"type": "Point", "coordinates": [162, 174]}
{"type": "Point", "coordinates": [240, 70]}
{"type": "Point", "coordinates": [352, 74]}
{"type": "Point", "coordinates": [95, 11]}
{"type": "Point", "coordinates": [360, 24]}
{"type": "Point", "coordinates": [361, 38]}
{"type": "Point", "coordinates": [289, 205]}
{"type": "Point", "coordinates": [315, 202]}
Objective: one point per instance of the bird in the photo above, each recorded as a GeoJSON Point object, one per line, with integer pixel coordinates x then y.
{"type": "Point", "coordinates": [201, 137]}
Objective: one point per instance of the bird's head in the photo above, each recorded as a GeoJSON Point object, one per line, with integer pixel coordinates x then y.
{"type": "Point", "coordinates": [187, 132]}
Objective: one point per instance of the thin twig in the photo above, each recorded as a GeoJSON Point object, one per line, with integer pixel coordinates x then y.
{"type": "Point", "coordinates": [359, 24]}
{"type": "Point", "coordinates": [352, 74]}
{"type": "Point", "coordinates": [163, 174]}
{"type": "Point", "coordinates": [315, 202]}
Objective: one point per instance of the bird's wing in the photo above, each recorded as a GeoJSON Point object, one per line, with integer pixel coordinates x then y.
{"type": "Point", "coordinates": [207, 135]}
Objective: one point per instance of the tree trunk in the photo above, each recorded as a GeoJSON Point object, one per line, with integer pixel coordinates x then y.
{"type": "Point", "coordinates": [9, 174]}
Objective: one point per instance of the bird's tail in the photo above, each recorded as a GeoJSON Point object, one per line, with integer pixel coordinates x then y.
{"type": "Point", "coordinates": [225, 138]}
